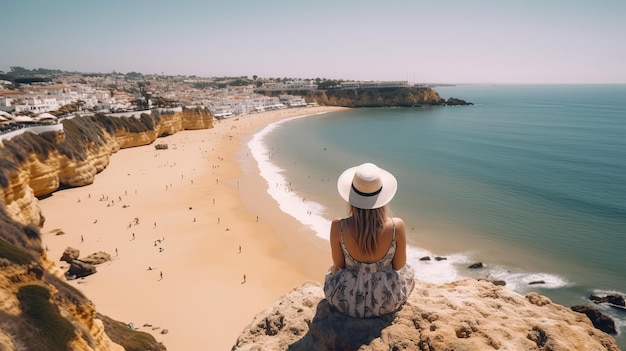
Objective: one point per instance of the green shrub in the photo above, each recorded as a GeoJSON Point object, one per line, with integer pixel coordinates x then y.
{"type": "Point", "coordinates": [34, 143]}
{"type": "Point", "coordinates": [13, 254]}
{"type": "Point", "coordinates": [109, 123]}
{"type": "Point", "coordinates": [26, 239]}
{"type": "Point", "coordinates": [147, 121]}
{"type": "Point", "coordinates": [8, 168]}
{"type": "Point", "coordinates": [131, 340]}
{"type": "Point", "coordinates": [54, 330]}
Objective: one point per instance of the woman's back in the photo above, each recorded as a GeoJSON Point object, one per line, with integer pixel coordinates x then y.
{"type": "Point", "coordinates": [368, 285]}
{"type": "Point", "coordinates": [369, 276]}
{"type": "Point", "coordinates": [383, 241]}
{"type": "Point", "coordinates": [343, 230]}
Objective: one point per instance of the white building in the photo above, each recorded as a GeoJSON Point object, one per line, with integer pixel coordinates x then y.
{"type": "Point", "coordinates": [38, 99]}
{"type": "Point", "coordinates": [242, 105]}
{"type": "Point", "coordinates": [373, 85]}
{"type": "Point", "coordinates": [295, 85]}
{"type": "Point", "coordinates": [292, 100]}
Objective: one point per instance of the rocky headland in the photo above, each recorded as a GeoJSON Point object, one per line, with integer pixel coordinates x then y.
{"type": "Point", "coordinates": [375, 97]}
{"type": "Point", "coordinates": [463, 315]}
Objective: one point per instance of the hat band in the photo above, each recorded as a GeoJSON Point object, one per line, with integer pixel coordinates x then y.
{"type": "Point", "coordinates": [366, 194]}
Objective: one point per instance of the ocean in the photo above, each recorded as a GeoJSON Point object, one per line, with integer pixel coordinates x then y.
{"type": "Point", "coordinates": [530, 181]}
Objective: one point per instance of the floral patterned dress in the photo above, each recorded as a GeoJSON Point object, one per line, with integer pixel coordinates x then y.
{"type": "Point", "coordinates": [363, 290]}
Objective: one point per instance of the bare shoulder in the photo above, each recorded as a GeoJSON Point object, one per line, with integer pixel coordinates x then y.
{"type": "Point", "coordinates": [336, 220]}
{"type": "Point", "coordinates": [400, 227]}
{"type": "Point", "coordinates": [334, 228]}
{"type": "Point", "coordinates": [334, 225]}
{"type": "Point", "coordinates": [399, 222]}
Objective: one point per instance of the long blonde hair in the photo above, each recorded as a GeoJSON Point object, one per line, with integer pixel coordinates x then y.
{"type": "Point", "coordinates": [367, 225]}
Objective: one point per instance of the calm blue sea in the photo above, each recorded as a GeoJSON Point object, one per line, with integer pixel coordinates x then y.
{"type": "Point", "coordinates": [531, 181]}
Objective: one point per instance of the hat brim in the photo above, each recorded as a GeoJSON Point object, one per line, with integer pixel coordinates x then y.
{"type": "Point", "coordinates": [389, 188]}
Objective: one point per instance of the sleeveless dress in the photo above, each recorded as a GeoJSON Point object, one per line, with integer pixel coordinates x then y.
{"type": "Point", "coordinates": [363, 290]}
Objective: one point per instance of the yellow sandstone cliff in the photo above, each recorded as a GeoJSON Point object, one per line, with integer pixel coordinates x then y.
{"type": "Point", "coordinates": [41, 175]}
{"type": "Point", "coordinates": [39, 310]}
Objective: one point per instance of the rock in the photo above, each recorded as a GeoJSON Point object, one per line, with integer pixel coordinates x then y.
{"type": "Point", "coordinates": [476, 265]}
{"type": "Point", "coordinates": [600, 321]}
{"type": "Point", "coordinates": [439, 258]}
{"type": "Point", "coordinates": [70, 254]}
{"type": "Point", "coordinates": [57, 232]}
{"type": "Point", "coordinates": [614, 299]}
{"type": "Point", "coordinates": [496, 282]}
{"type": "Point", "coordinates": [457, 102]}
{"type": "Point", "coordinates": [535, 282]}
{"type": "Point", "coordinates": [97, 258]}
{"type": "Point", "coordinates": [79, 269]}
{"type": "Point", "coordinates": [425, 258]}
{"type": "Point", "coordinates": [463, 315]}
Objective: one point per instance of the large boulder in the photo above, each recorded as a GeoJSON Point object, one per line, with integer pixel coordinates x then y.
{"type": "Point", "coordinates": [79, 269]}
{"type": "Point", "coordinates": [600, 321]}
{"type": "Point", "coordinates": [464, 315]}
{"type": "Point", "coordinates": [97, 258]}
{"type": "Point", "coordinates": [613, 299]}
{"type": "Point", "coordinates": [70, 254]}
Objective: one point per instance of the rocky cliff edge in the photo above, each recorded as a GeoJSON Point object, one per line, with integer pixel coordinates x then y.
{"type": "Point", "coordinates": [38, 165]}
{"type": "Point", "coordinates": [466, 315]}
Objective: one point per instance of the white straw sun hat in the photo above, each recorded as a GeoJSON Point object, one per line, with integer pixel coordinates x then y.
{"type": "Point", "coordinates": [367, 186]}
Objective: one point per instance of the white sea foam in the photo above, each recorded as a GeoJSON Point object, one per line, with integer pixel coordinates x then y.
{"type": "Point", "coordinates": [523, 282]}
{"type": "Point", "coordinates": [307, 212]}
{"type": "Point", "coordinates": [617, 315]}
{"type": "Point", "coordinates": [601, 292]}
{"type": "Point", "coordinates": [434, 271]}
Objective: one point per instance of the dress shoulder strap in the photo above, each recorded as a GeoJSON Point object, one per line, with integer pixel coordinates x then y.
{"type": "Point", "coordinates": [394, 230]}
{"type": "Point", "coordinates": [341, 228]}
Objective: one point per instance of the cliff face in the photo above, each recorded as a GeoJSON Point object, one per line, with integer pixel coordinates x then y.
{"type": "Point", "coordinates": [464, 315]}
{"type": "Point", "coordinates": [38, 310]}
{"type": "Point", "coordinates": [74, 157]}
{"type": "Point", "coordinates": [20, 331]}
{"type": "Point", "coordinates": [19, 199]}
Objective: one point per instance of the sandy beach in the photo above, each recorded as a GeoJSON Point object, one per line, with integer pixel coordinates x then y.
{"type": "Point", "coordinates": [198, 245]}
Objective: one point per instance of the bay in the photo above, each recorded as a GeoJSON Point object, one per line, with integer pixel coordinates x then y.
{"type": "Point", "coordinates": [531, 181]}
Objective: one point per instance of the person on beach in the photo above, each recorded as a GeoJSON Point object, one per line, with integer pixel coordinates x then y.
{"type": "Point", "coordinates": [369, 276]}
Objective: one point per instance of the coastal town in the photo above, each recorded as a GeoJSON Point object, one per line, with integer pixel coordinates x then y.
{"type": "Point", "coordinates": [39, 99]}
{"type": "Point", "coordinates": [208, 267]}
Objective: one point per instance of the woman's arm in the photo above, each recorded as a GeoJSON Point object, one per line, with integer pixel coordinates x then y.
{"type": "Point", "coordinates": [399, 259]}
{"type": "Point", "coordinates": [339, 261]}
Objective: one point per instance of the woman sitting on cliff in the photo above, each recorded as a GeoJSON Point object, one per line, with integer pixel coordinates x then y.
{"type": "Point", "coordinates": [369, 276]}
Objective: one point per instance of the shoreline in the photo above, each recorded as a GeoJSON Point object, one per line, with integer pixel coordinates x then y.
{"type": "Point", "coordinates": [188, 224]}
{"type": "Point", "coordinates": [299, 189]}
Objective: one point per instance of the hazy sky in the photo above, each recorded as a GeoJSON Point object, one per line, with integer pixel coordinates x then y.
{"type": "Point", "coordinates": [463, 41]}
